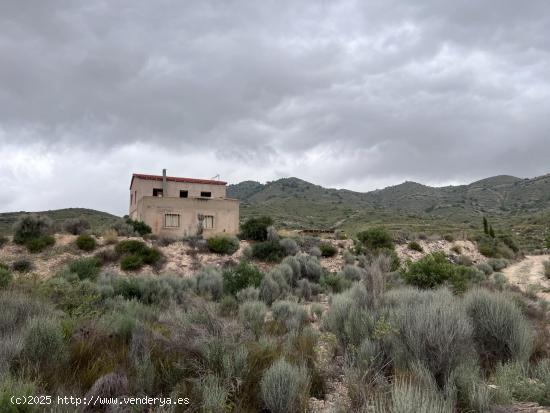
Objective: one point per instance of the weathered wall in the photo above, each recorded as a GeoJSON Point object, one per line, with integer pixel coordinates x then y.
{"type": "Point", "coordinates": [151, 210]}
{"type": "Point", "coordinates": [144, 187]}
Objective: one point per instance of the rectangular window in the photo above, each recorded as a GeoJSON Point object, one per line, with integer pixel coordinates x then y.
{"type": "Point", "coordinates": [184, 194]}
{"type": "Point", "coordinates": [208, 222]}
{"type": "Point", "coordinates": [205, 194]}
{"type": "Point", "coordinates": [157, 191]}
{"type": "Point", "coordinates": [131, 198]}
{"type": "Point", "coordinates": [171, 220]}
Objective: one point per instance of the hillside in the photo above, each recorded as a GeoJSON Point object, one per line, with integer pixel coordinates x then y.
{"type": "Point", "coordinates": [98, 219]}
{"type": "Point", "coordinates": [513, 204]}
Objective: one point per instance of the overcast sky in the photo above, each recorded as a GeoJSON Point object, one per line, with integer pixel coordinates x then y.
{"type": "Point", "coordinates": [347, 94]}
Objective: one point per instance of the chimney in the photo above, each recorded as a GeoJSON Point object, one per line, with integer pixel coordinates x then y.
{"type": "Point", "coordinates": [164, 186]}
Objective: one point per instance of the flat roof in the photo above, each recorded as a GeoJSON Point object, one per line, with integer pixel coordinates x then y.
{"type": "Point", "coordinates": [177, 179]}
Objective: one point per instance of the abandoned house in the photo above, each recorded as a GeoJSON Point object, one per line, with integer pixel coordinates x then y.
{"type": "Point", "coordinates": [179, 207]}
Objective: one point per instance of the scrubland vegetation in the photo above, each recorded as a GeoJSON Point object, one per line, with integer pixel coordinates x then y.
{"type": "Point", "coordinates": [274, 330]}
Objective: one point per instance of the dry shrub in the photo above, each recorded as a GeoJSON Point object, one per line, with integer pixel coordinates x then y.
{"type": "Point", "coordinates": [110, 236]}
{"type": "Point", "coordinates": [500, 331]}
{"type": "Point", "coordinates": [285, 388]}
{"type": "Point", "coordinates": [434, 330]}
{"type": "Point", "coordinates": [109, 385]}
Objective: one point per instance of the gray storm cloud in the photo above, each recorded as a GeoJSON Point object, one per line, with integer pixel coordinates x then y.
{"type": "Point", "coordinates": [348, 93]}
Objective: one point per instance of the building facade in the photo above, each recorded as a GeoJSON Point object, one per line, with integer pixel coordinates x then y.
{"type": "Point", "coordinates": [180, 207]}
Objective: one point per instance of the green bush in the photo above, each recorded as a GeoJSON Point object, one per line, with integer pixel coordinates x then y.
{"type": "Point", "coordinates": [415, 246]}
{"type": "Point", "coordinates": [76, 226]}
{"type": "Point", "coordinates": [375, 238]}
{"type": "Point", "coordinates": [509, 241]}
{"type": "Point", "coordinates": [514, 383]}
{"type": "Point", "coordinates": [86, 242]}
{"type": "Point", "coordinates": [335, 283]}
{"type": "Point", "coordinates": [135, 254]}
{"type": "Point", "coordinates": [223, 244]}
{"type": "Point", "coordinates": [22, 265]}
{"type": "Point", "coordinates": [3, 240]}
{"type": "Point", "coordinates": [242, 276]}
{"type": "Point", "coordinates": [255, 229]}
{"type": "Point", "coordinates": [151, 256]}
{"type": "Point", "coordinates": [5, 277]}
{"type": "Point", "coordinates": [30, 227]}
{"type": "Point", "coordinates": [449, 238]}
{"type": "Point", "coordinates": [131, 262]}
{"type": "Point", "coordinates": [40, 244]}
{"type": "Point", "coordinates": [16, 388]}
{"type": "Point", "coordinates": [269, 251]}
{"type": "Point", "coordinates": [327, 250]}
{"type": "Point", "coordinates": [501, 333]}
{"type": "Point", "coordinates": [252, 315]}
{"type": "Point", "coordinates": [130, 247]}
{"type": "Point", "coordinates": [285, 388]}
{"type": "Point", "coordinates": [430, 271]}
{"type": "Point", "coordinates": [139, 226]}
{"type": "Point", "coordinates": [86, 268]}
{"type": "Point", "coordinates": [435, 269]}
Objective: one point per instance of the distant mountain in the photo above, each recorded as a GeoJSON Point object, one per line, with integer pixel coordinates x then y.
{"type": "Point", "coordinates": [299, 204]}
{"type": "Point", "coordinates": [98, 220]}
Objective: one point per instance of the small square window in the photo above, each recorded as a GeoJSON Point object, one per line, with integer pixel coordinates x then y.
{"type": "Point", "coordinates": [171, 220]}
{"type": "Point", "coordinates": [184, 194]}
{"type": "Point", "coordinates": [208, 222]}
{"type": "Point", "coordinates": [157, 191]}
{"type": "Point", "coordinates": [205, 194]}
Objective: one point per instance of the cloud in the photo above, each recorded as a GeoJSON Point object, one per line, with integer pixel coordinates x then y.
{"type": "Point", "coordinates": [347, 94]}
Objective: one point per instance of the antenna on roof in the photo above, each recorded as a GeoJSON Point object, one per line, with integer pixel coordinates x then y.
{"type": "Point", "coordinates": [217, 177]}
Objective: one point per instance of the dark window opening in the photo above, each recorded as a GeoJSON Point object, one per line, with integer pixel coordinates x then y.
{"type": "Point", "coordinates": [157, 191]}
{"type": "Point", "coordinates": [184, 194]}
{"type": "Point", "coordinates": [206, 194]}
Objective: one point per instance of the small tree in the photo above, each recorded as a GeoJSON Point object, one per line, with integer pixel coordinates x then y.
{"type": "Point", "coordinates": [139, 226]}
{"type": "Point", "coordinates": [256, 228]}
{"type": "Point", "coordinates": [485, 226]}
{"type": "Point", "coordinates": [375, 238]}
{"type": "Point", "coordinates": [491, 232]}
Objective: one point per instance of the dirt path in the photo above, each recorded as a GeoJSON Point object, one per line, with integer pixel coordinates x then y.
{"type": "Point", "coordinates": [530, 272]}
